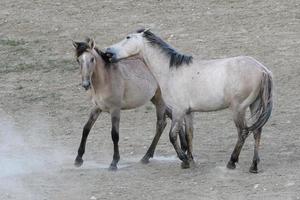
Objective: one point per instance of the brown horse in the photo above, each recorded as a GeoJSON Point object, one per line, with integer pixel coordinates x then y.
{"type": "Point", "coordinates": [114, 87]}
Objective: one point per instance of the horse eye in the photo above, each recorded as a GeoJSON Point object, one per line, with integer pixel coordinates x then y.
{"type": "Point", "coordinates": [128, 37]}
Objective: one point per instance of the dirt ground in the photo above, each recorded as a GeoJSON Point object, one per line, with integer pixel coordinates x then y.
{"type": "Point", "coordinates": [43, 107]}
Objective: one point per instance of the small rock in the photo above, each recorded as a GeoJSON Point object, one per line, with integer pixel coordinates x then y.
{"type": "Point", "coordinates": [290, 184]}
{"type": "Point", "coordinates": [20, 87]}
{"type": "Point", "coordinates": [93, 198]}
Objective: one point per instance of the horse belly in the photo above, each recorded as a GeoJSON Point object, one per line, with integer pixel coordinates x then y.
{"type": "Point", "coordinates": [202, 89]}
{"type": "Point", "coordinates": [138, 94]}
{"type": "Point", "coordinates": [209, 101]}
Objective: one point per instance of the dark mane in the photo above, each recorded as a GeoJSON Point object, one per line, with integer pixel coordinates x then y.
{"type": "Point", "coordinates": [103, 56]}
{"type": "Point", "coordinates": [84, 46]}
{"type": "Point", "coordinates": [176, 59]}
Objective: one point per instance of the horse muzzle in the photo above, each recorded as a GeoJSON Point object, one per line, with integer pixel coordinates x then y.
{"type": "Point", "coordinates": [86, 85]}
{"type": "Point", "coordinates": [110, 53]}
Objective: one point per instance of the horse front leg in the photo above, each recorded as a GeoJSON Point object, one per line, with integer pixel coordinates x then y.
{"type": "Point", "coordinates": [86, 130]}
{"type": "Point", "coordinates": [183, 138]}
{"type": "Point", "coordinates": [175, 127]}
{"type": "Point", "coordinates": [189, 129]}
{"type": "Point", "coordinates": [115, 121]}
{"type": "Point", "coordinates": [182, 134]}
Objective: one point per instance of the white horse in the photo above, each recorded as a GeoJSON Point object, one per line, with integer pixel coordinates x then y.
{"type": "Point", "coordinates": [193, 85]}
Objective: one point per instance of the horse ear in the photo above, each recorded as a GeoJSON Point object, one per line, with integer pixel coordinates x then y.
{"type": "Point", "coordinates": [92, 43]}
{"type": "Point", "coordinates": [75, 44]}
{"type": "Point", "coordinates": [147, 29]}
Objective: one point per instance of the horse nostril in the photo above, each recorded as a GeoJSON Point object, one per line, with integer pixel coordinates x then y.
{"type": "Point", "coordinates": [86, 85]}
{"type": "Point", "coordinates": [108, 54]}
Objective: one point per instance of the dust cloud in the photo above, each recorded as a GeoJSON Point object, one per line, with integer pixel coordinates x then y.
{"type": "Point", "coordinates": [25, 149]}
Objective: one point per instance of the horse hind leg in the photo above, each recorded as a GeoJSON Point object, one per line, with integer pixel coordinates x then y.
{"type": "Point", "coordinates": [160, 126]}
{"type": "Point", "coordinates": [240, 123]}
{"type": "Point", "coordinates": [257, 136]}
{"type": "Point", "coordinates": [256, 159]}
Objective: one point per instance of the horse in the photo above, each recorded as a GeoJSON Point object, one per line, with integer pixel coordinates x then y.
{"type": "Point", "coordinates": [114, 87]}
{"type": "Point", "coordinates": [191, 85]}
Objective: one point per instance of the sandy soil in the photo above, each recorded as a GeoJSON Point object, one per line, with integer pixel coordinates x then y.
{"type": "Point", "coordinates": [43, 107]}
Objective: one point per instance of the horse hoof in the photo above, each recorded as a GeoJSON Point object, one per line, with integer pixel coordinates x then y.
{"type": "Point", "coordinates": [78, 161]}
{"type": "Point", "coordinates": [112, 168]}
{"type": "Point", "coordinates": [145, 160]}
{"type": "Point", "coordinates": [253, 170]}
{"type": "Point", "coordinates": [185, 165]}
{"type": "Point", "coordinates": [231, 165]}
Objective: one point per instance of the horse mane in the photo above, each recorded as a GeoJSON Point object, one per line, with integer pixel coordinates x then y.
{"type": "Point", "coordinates": [176, 59]}
{"type": "Point", "coordinates": [84, 46]}
{"type": "Point", "coordinates": [103, 56]}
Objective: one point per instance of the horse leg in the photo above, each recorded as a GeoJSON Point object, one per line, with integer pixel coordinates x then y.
{"type": "Point", "coordinates": [183, 139]}
{"type": "Point", "coordinates": [115, 121]}
{"type": "Point", "coordinates": [86, 130]}
{"type": "Point", "coordinates": [256, 135]}
{"type": "Point", "coordinates": [182, 134]}
{"type": "Point", "coordinates": [189, 135]}
{"type": "Point", "coordinates": [239, 120]}
{"type": "Point", "coordinates": [175, 126]}
{"type": "Point", "coordinates": [160, 126]}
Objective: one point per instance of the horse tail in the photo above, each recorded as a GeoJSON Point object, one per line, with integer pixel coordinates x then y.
{"type": "Point", "coordinates": [265, 97]}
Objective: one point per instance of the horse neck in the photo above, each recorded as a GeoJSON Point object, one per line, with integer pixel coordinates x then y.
{"type": "Point", "coordinates": [158, 64]}
{"type": "Point", "coordinates": [100, 75]}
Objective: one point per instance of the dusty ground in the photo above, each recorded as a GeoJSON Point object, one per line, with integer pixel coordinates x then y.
{"type": "Point", "coordinates": [43, 108]}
